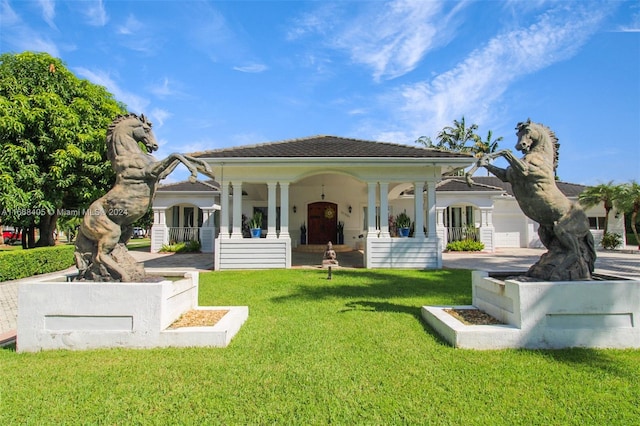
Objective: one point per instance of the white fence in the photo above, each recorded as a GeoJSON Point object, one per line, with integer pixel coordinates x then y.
{"type": "Point", "coordinates": [180, 235]}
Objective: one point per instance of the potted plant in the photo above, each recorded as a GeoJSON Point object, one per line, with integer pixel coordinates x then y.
{"type": "Point", "coordinates": [303, 234]}
{"type": "Point", "coordinates": [403, 222]}
{"type": "Point", "coordinates": [340, 229]}
{"type": "Point", "coordinates": [256, 224]}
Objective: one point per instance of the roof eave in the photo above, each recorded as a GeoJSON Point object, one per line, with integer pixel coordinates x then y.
{"type": "Point", "coordinates": [349, 160]}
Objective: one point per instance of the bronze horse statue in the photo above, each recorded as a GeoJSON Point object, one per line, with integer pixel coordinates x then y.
{"type": "Point", "coordinates": [101, 253]}
{"type": "Point", "coordinates": [564, 226]}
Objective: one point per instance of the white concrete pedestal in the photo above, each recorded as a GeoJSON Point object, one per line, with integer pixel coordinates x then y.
{"type": "Point", "coordinates": [55, 314]}
{"type": "Point", "coordinates": [592, 314]}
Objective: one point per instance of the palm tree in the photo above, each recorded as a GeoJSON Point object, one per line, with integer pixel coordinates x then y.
{"type": "Point", "coordinates": [629, 201]}
{"type": "Point", "coordinates": [605, 193]}
{"type": "Point", "coordinates": [455, 138]}
{"type": "Point", "coordinates": [487, 146]}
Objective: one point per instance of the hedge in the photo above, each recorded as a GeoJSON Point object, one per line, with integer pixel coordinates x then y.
{"type": "Point", "coordinates": [17, 264]}
{"type": "Point", "coordinates": [465, 245]}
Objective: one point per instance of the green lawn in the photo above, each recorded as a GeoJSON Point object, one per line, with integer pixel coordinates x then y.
{"type": "Point", "coordinates": [352, 350]}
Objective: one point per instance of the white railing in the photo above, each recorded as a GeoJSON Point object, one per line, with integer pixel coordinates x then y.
{"type": "Point", "coordinates": [463, 233]}
{"type": "Point", "coordinates": [180, 235]}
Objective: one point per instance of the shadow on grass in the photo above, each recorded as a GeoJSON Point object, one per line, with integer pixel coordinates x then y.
{"type": "Point", "coordinates": [605, 360]}
{"type": "Point", "coordinates": [441, 286]}
{"type": "Point", "coordinates": [388, 307]}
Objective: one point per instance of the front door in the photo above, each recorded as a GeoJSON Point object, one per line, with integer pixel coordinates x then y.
{"type": "Point", "coordinates": [323, 222]}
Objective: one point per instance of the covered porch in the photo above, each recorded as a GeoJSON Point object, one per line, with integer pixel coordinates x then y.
{"type": "Point", "coordinates": [313, 199]}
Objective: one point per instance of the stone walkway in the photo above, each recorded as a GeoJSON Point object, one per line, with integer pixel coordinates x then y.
{"type": "Point", "coordinates": [625, 263]}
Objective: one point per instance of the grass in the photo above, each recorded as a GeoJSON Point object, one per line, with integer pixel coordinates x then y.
{"type": "Point", "coordinates": [352, 350]}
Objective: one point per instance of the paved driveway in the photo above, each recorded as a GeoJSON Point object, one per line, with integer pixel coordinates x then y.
{"type": "Point", "coordinates": [624, 264]}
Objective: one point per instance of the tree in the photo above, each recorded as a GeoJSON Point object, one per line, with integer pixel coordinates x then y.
{"type": "Point", "coordinates": [487, 146]}
{"type": "Point", "coordinates": [52, 141]}
{"type": "Point", "coordinates": [455, 138]}
{"type": "Point", "coordinates": [629, 201]}
{"type": "Point", "coordinates": [605, 193]}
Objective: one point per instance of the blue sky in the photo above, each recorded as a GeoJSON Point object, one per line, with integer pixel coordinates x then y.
{"type": "Point", "coordinates": [220, 74]}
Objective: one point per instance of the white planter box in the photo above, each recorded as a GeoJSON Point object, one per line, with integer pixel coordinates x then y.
{"type": "Point", "coordinates": [86, 315]}
{"type": "Point", "coordinates": [592, 314]}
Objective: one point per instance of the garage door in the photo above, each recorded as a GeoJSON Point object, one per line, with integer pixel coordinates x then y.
{"type": "Point", "coordinates": [508, 229]}
{"type": "Point", "coordinates": [507, 239]}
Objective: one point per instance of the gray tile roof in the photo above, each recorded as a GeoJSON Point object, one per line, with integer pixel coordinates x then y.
{"type": "Point", "coordinates": [492, 183]}
{"type": "Point", "coordinates": [328, 146]}
{"type": "Point", "coordinates": [184, 186]}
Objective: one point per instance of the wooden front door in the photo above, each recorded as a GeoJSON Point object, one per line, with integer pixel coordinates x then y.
{"type": "Point", "coordinates": [323, 222]}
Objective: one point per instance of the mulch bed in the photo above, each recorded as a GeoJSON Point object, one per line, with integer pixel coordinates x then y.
{"type": "Point", "coordinates": [472, 317]}
{"type": "Point", "coordinates": [199, 318]}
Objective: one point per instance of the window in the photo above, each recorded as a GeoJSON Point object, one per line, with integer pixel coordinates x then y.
{"type": "Point", "coordinates": [596, 222]}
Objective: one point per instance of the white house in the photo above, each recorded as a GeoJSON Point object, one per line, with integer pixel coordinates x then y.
{"type": "Point", "coordinates": [329, 183]}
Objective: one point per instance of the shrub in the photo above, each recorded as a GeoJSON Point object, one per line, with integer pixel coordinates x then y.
{"type": "Point", "coordinates": [465, 245]}
{"type": "Point", "coordinates": [610, 240]}
{"type": "Point", "coordinates": [25, 263]}
{"type": "Point", "coordinates": [185, 247]}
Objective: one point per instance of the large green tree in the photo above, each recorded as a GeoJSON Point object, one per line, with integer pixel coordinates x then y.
{"type": "Point", "coordinates": [52, 141]}
{"type": "Point", "coordinates": [629, 202]}
{"type": "Point", "coordinates": [606, 194]}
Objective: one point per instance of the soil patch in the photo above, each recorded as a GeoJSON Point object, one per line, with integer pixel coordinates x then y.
{"type": "Point", "coordinates": [199, 318]}
{"type": "Point", "coordinates": [472, 317]}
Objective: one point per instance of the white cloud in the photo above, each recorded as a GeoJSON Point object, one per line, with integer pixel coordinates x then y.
{"type": "Point", "coordinates": [130, 27]}
{"type": "Point", "coordinates": [134, 103]}
{"type": "Point", "coordinates": [164, 88]}
{"type": "Point", "coordinates": [48, 11]}
{"type": "Point", "coordinates": [475, 85]}
{"type": "Point", "coordinates": [320, 21]}
{"type": "Point", "coordinates": [20, 37]}
{"type": "Point", "coordinates": [159, 115]}
{"type": "Point", "coordinates": [95, 13]}
{"type": "Point", "coordinates": [252, 68]}
{"type": "Point", "coordinates": [390, 38]}
{"type": "Point", "coordinates": [404, 31]}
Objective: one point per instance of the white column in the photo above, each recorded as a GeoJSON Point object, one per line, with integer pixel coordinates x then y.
{"type": "Point", "coordinates": [441, 231]}
{"type": "Point", "coordinates": [271, 210]}
{"type": "Point", "coordinates": [371, 210]}
{"type": "Point", "coordinates": [236, 231]}
{"type": "Point", "coordinates": [284, 210]}
{"type": "Point", "coordinates": [224, 210]}
{"type": "Point", "coordinates": [159, 230]}
{"type": "Point", "coordinates": [207, 231]}
{"type": "Point", "coordinates": [431, 210]}
{"type": "Point", "coordinates": [384, 210]}
{"type": "Point", "coordinates": [418, 190]}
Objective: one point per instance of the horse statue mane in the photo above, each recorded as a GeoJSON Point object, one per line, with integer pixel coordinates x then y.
{"type": "Point", "coordinates": [563, 225]}
{"type": "Point", "coordinates": [101, 253]}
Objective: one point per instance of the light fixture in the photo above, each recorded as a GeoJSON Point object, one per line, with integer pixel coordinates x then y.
{"type": "Point", "coordinates": [349, 209]}
{"type": "Point", "coordinates": [322, 195]}
{"type": "Point", "coordinates": [295, 209]}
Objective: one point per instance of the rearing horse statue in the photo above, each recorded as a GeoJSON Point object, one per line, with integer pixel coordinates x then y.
{"type": "Point", "coordinates": [101, 254]}
{"type": "Point", "coordinates": [564, 226]}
